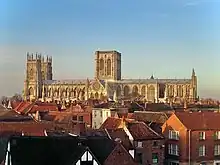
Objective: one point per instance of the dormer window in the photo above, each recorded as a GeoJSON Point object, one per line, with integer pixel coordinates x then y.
{"type": "Point", "coordinates": [201, 135]}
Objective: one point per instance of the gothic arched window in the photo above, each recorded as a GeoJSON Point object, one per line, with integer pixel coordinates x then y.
{"type": "Point", "coordinates": [31, 74]}
{"type": "Point", "coordinates": [143, 90]}
{"type": "Point", "coordinates": [101, 64]}
{"type": "Point", "coordinates": [109, 66]}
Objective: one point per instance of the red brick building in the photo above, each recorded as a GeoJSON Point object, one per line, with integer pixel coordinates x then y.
{"type": "Point", "coordinates": [147, 146]}
{"type": "Point", "coordinates": [192, 138]}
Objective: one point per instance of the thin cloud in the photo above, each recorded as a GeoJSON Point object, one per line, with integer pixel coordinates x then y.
{"type": "Point", "coordinates": [196, 3]}
{"type": "Point", "coordinates": [191, 4]}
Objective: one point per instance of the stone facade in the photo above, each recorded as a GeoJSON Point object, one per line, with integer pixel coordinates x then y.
{"type": "Point", "coordinates": [107, 83]}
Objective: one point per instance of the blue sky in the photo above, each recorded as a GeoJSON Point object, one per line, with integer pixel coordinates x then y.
{"type": "Point", "coordinates": [164, 37]}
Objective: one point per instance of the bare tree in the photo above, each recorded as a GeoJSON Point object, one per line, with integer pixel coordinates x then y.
{"type": "Point", "coordinates": [4, 100]}
{"type": "Point", "coordinates": [16, 97]}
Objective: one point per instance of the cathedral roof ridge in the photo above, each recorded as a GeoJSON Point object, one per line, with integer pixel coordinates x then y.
{"type": "Point", "coordinates": [154, 81]}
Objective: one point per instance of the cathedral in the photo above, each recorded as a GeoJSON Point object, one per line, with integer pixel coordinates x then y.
{"type": "Point", "coordinates": [39, 83]}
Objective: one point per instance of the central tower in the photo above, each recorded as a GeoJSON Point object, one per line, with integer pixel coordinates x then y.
{"type": "Point", "coordinates": [108, 65]}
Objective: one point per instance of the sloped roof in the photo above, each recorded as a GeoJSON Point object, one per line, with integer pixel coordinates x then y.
{"type": "Point", "coordinates": [120, 134]}
{"type": "Point", "coordinates": [158, 107]}
{"type": "Point", "coordinates": [146, 116]}
{"type": "Point", "coordinates": [28, 128]}
{"type": "Point", "coordinates": [22, 106]}
{"type": "Point", "coordinates": [32, 107]}
{"type": "Point", "coordinates": [111, 123]}
{"type": "Point", "coordinates": [10, 115]}
{"type": "Point", "coordinates": [119, 156]}
{"type": "Point", "coordinates": [14, 104]}
{"type": "Point", "coordinates": [101, 147]}
{"type": "Point", "coordinates": [200, 120]}
{"type": "Point", "coordinates": [140, 131]}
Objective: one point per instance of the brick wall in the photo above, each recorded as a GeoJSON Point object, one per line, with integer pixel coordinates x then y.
{"type": "Point", "coordinates": [150, 147]}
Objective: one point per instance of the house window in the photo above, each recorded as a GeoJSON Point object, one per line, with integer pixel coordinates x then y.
{"type": "Point", "coordinates": [173, 134]}
{"type": "Point", "coordinates": [201, 135]}
{"type": "Point", "coordinates": [217, 135]}
{"type": "Point", "coordinates": [139, 144]}
{"type": "Point", "coordinates": [139, 158]}
{"type": "Point", "coordinates": [155, 144]}
{"type": "Point", "coordinates": [202, 150]}
{"type": "Point", "coordinates": [155, 158]}
{"type": "Point", "coordinates": [173, 149]}
{"type": "Point", "coordinates": [80, 118]}
{"type": "Point", "coordinates": [74, 118]}
{"type": "Point", "coordinates": [217, 150]}
{"type": "Point", "coordinates": [106, 114]}
{"type": "Point", "coordinates": [100, 113]}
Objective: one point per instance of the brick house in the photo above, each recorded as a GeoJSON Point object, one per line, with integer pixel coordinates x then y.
{"type": "Point", "coordinates": [147, 145]}
{"type": "Point", "coordinates": [192, 138]}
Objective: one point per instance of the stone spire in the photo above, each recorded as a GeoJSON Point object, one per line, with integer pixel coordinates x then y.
{"type": "Point", "coordinates": [193, 72]}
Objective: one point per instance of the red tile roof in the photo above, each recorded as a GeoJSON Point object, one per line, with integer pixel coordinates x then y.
{"type": "Point", "coordinates": [22, 106]}
{"type": "Point", "coordinates": [112, 123]}
{"type": "Point", "coordinates": [29, 107]}
{"type": "Point", "coordinates": [140, 131]}
{"type": "Point", "coordinates": [120, 134]}
{"type": "Point", "coordinates": [42, 108]}
{"type": "Point", "coordinates": [14, 104]}
{"type": "Point", "coordinates": [28, 128]}
{"type": "Point", "coordinates": [199, 120]}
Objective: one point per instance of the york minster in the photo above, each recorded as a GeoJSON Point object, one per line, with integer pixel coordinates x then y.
{"type": "Point", "coordinates": [39, 83]}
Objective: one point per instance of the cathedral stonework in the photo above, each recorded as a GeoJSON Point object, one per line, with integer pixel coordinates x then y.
{"type": "Point", "coordinates": [39, 83]}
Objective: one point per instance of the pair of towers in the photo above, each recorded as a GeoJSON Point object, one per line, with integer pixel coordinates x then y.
{"type": "Point", "coordinates": [38, 69]}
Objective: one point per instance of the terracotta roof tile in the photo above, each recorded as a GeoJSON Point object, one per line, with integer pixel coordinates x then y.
{"type": "Point", "coordinates": [28, 128]}
{"type": "Point", "coordinates": [112, 123]}
{"type": "Point", "coordinates": [204, 120]}
{"type": "Point", "coordinates": [120, 134]}
{"type": "Point", "coordinates": [29, 107]}
{"type": "Point", "coordinates": [14, 104]}
{"type": "Point", "coordinates": [22, 106]}
{"type": "Point", "coordinates": [43, 108]}
{"type": "Point", "coordinates": [140, 131]}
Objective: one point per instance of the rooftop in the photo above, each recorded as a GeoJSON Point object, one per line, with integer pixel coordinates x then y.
{"type": "Point", "coordinates": [204, 120]}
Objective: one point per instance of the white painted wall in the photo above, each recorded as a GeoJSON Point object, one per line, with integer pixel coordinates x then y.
{"type": "Point", "coordinates": [99, 116]}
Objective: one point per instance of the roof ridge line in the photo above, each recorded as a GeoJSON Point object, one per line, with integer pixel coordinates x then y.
{"type": "Point", "coordinates": [152, 130]}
